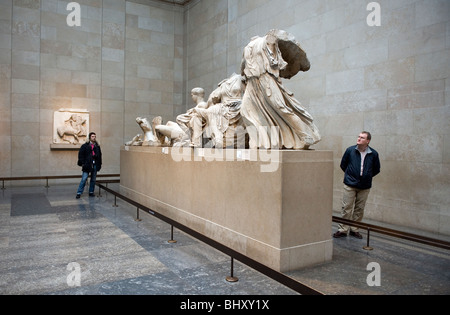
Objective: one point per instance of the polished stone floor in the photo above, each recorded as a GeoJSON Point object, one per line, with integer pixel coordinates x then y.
{"type": "Point", "coordinates": [54, 244]}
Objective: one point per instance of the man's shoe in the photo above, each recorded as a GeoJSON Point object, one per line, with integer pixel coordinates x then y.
{"type": "Point", "coordinates": [339, 234]}
{"type": "Point", "coordinates": [78, 196]}
{"type": "Point", "coordinates": [91, 195]}
{"type": "Point", "coordinates": [356, 234]}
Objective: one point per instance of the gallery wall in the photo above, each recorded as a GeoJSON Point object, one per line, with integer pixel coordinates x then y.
{"type": "Point", "coordinates": [123, 61]}
{"type": "Point", "coordinates": [142, 58]}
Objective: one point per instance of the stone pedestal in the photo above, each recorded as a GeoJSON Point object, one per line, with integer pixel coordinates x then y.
{"type": "Point", "coordinates": [273, 206]}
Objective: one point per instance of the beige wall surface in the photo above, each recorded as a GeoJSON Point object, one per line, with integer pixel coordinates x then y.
{"type": "Point", "coordinates": [141, 58]}
{"type": "Point", "coordinates": [123, 61]}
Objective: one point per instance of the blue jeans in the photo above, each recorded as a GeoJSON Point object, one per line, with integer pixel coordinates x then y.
{"type": "Point", "coordinates": [84, 178]}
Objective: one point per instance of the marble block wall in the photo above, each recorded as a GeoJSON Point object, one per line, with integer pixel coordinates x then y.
{"type": "Point", "coordinates": [123, 61]}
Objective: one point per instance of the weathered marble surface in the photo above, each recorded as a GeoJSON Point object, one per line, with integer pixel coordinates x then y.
{"type": "Point", "coordinates": [70, 126]}
{"type": "Point", "coordinates": [250, 110]}
{"type": "Point", "coordinates": [272, 205]}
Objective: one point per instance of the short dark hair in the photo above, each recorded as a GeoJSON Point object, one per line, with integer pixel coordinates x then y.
{"type": "Point", "coordinates": [91, 133]}
{"type": "Point", "coordinates": [369, 136]}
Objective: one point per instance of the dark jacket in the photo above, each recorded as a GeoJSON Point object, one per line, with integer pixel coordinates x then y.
{"type": "Point", "coordinates": [86, 159]}
{"type": "Point", "coordinates": [351, 165]}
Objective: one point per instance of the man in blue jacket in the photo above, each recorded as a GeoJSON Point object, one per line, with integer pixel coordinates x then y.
{"type": "Point", "coordinates": [360, 164]}
{"type": "Point", "coordinates": [90, 160]}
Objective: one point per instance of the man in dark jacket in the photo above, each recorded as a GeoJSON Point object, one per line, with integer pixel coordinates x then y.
{"type": "Point", "coordinates": [90, 160]}
{"type": "Point", "coordinates": [360, 164]}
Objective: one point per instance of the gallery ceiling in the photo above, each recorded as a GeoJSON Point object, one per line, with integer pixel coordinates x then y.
{"type": "Point", "coordinates": [178, 2]}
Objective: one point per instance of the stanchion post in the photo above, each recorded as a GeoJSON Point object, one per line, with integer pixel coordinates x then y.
{"type": "Point", "coordinates": [367, 247]}
{"type": "Point", "coordinates": [231, 277]}
{"type": "Point", "coordinates": [115, 201]}
{"type": "Point", "coordinates": [137, 215]}
{"type": "Point", "coordinates": [171, 236]}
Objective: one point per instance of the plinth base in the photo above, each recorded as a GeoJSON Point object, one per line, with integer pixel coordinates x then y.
{"type": "Point", "coordinates": [273, 206]}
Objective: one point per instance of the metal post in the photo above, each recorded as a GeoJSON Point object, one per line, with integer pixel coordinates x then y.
{"type": "Point", "coordinates": [115, 199]}
{"type": "Point", "coordinates": [231, 277]}
{"type": "Point", "coordinates": [171, 235]}
{"type": "Point", "coordinates": [46, 186]}
{"type": "Point", "coordinates": [137, 215]}
{"type": "Point", "coordinates": [3, 185]}
{"type": "Point", "coordinates": [367, 247]}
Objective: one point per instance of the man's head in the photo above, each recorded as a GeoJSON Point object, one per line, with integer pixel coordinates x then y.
{"type": "Point", "coordinates": [92, 137]}
{"type": "Point", "coordinates": [364, 139]}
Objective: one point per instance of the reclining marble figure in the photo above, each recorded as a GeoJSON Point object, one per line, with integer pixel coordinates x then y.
{"type": "Point", "coordinates": [219, 118]}
{"type": "Point", "coordinates": [244, 110]}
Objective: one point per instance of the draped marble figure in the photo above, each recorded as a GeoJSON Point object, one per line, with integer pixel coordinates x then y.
{"type": "Point", "coordinates": [217, 119]}
{"type": "Point", "coordinates": [222, 118]}
{"type": "Point", "coordinates": [266, 102]}
{"type": "Point", "coordinates": [191, 122]}
{"type": "Point", "coordinates": [252, 109]}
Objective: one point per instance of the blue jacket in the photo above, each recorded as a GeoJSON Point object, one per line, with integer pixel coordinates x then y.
{"type": "Point", "coordinates": [351, 165]}
{"type": "Point", "coordinates": [86, 159]}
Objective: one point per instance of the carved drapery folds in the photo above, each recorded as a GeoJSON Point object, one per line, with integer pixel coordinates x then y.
{"type": "Point", "coordinates": [248, 110]}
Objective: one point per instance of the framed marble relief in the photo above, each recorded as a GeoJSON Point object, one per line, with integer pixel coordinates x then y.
{"type": "Point", "coordinates": [70, 129]}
